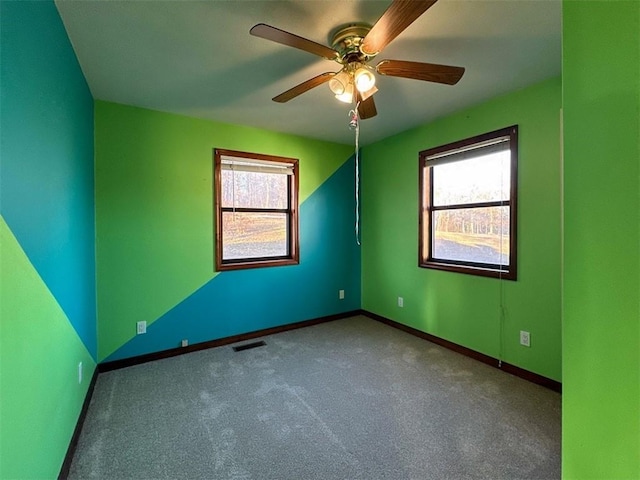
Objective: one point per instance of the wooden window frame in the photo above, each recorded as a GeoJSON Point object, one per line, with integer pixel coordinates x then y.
{"type": "Point", "coordinates": [293, 257]}
{"type": "Point", "coordinates": [426, 209]}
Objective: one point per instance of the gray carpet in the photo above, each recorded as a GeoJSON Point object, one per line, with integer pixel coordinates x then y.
{"type": "Point", "coordinates": [349, 399]}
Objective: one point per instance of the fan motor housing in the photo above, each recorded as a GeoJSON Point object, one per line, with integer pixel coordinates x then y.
{"type": "Point", "coordinates": [347, 40]}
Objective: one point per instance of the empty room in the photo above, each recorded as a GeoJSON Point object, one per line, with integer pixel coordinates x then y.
{"type": "Point", "coordinates": [320, 239]}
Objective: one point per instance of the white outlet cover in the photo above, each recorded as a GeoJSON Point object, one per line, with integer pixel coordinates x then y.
{"type": "Point", "coordinates": [525, 338]}
{"type": "Point", "coordinates": [141, 327]}
{"type": "Point", "coordinates": [341, 294]}
{"type": "Point", "coordinates": [400, 302]}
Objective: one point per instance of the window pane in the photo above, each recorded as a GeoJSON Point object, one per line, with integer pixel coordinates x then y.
{"type": "Point", "coordinates": [254, 190]}
{"type": "Point", "coordinates": [481, 179]}
{"type": "Point", "coordinates": [478, 235]}
{"type": "Point", "coordinates": [253, 235]}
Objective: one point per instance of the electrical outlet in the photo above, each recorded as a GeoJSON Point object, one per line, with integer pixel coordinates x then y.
{"type": "Point", "coordinates": [80, 372]}
{"type": "Point", "coordinates": [525, 338]}
{"type": "Point", "coordinates": [141, 327]}
{"type": "Point", "coordinates": [341, 294]}
{"type": "Point", "coordinates": [184, 342]}
{"type": "Point", "coordinates": [400, 302]}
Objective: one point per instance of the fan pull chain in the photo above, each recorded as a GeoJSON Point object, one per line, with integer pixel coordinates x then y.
{"type": "Point", "coordinates": [354, 124]}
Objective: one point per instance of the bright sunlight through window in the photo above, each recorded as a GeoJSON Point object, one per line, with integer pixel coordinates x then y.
{"type": "Point", "coordinates": [256, 204]}
{"type": "Point", "coordinates": [468, 192]}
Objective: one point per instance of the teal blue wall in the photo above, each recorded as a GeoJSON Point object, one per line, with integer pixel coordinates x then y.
{"type": "Point", "coordinates": [47, 157]}
{"type": "Point", "coordinates": [156, 234]}
{"type": "Point", "coordinates": [48, 229]}
{"type": "Point", "coordinates": [47, 271]}
{"type": "Point", "coordinates": [241, 301]}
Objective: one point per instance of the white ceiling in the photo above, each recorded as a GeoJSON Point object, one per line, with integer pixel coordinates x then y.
{"type": "Point", "coordinates": [196, 58]}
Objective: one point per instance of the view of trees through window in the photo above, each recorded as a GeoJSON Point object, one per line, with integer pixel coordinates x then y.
{"type": "Point", "coordinates": [468, 209]}
{"type": "Point", "coordinates": [254, 189]}
{"type": "Point", "coordinates": [478, 233]}
{"type": "Point", "coordinates": [254, 234]}
{"type": "Point", "coordinates": [256, 208]}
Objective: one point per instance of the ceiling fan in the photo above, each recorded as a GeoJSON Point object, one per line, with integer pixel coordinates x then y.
{"type": "Point", "coordinates": [353, 46]}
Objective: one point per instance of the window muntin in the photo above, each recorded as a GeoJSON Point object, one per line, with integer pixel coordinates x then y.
{"type": "Point", "coordinates": [256, 204]}
{"type": "Point", "coordinates": [468, 193]}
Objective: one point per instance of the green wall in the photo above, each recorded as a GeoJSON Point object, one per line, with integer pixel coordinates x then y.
{"type": "Point", "coordinates": [41, 395]}
{"type": "Point", "coordinates": [461, 308]}
{"type": "Point", "coordinates": [155, 251]}
{"type": "Point", "coordinates": [601, 297]}
{"type": "Point", "coordinates": [154, 222]}
{"type": "Point", "coordinates": [47, 241]}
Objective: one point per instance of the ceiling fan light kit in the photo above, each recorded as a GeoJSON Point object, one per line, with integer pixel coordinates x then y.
{"type": "Point", "coordinates": [353, 75]}
{"type": "Point", "coordinates": [353, 46]}
{"type": "Point", "coordinates": [356, 44]}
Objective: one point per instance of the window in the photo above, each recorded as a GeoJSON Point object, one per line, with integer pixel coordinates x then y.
{"type": "Point", "coordinates": [468, 198]}
{"type": "Point", "coordinates": [256, 205]}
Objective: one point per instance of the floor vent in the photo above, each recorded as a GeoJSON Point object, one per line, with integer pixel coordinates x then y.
{"type": "Point", "coordinates": [248, 346]}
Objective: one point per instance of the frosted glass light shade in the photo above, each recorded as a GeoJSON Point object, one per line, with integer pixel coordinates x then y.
{"type": "Point", "coordinates": [347, 95]}
{"type": "Point", "coordinates": [364, 79]}
{"type": "Point", "coordinates": [339, 83]}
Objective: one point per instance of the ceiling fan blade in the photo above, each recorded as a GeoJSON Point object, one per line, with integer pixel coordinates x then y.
{"type": "Point", "coordinates": [399, 15]}
{"type": "Point", "coordinates": [366, 108]}
{"type": "Point", "coordinates": [429, 72]}
{"type": "Point", "coordinates": [285, 38]}
{"type": "Point", "coordinates": [303, 87]}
